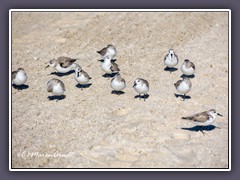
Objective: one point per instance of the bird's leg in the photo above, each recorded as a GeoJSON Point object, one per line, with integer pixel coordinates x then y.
{"type": "Point", "coordinates": [202, 130]}
{"type": "Point", "coordinates": [184, 97]}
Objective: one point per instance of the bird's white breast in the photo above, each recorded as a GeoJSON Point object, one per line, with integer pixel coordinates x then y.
{"type": "Point", "coordinates": [141, 89]}
{"type": "Point", "coordinates": [20, 79]}
{"type": "Point", "coordinates": [106, 67]}
{"type": "Point", "coordinates": [183, 87]}
{"type": "Point", "coordinates": [81, 78]}
{"type": "Point", "coordinates": [187, 71]}
{"type": "Point", "coordinates": [58, 90]}
{"type": "Point", "coordinates": [117, 85]}
{"type": "Point", "coordinates": [111, 53]}
{"type": "Point", "coordinates": [63, 70]}
{"type": "Point", "coordinates": [171, 62]}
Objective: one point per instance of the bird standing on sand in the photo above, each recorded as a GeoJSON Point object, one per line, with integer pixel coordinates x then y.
{"type": "Point", "coordinates": [188, 68]}
{"type": "Point", "coordinates": [110, 51]}
{"type": "Point", "coordinates": [19, 76]}
{"type": "Point", "coordinates": [141, 86]}
{"type": "Point", "coordinates": [183, 86]}
{"type": "Point", "coordinates": [204, 118]}
{"type": "Point", "coordinates": [171, 60]}
{"type": "Point", "coordinates": [63, 64]}
{"type": "Point", "coordinates": [56, 87]}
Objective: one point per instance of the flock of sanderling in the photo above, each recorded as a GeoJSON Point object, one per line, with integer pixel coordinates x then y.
{"type": "Point", "coordinates": [109, 66]}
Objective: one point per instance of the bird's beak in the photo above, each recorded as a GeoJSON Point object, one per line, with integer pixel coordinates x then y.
{"type": "Point", "coordinates": [134, 84]}
{"type": "Point", "coordinates": [219, 114]}
{"type": "Point", "coordinates": [47, 66]}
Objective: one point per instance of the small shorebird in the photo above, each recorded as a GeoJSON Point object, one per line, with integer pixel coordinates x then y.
{"type": "Point", "coordinates": [118, 83]}
{"type": "Point", "coordinates": [81, 76]}
{"type": "Point", "coordinates": [19, 77]}
{"type": "Point", "coordinates": [63, 64]}
{"type": "Point", "coordinates": [183, 86]}
{"type": "Point", "coordinates": [171, 60]}
{"type": "Point", "coordinates": [141, 86]}
{"type": "Point", "coordinates": [188, 68]}
{"type": "Point", "coordinates": [110, 51]}
{"type": "Point", "coordinates": [109, 66]}
{"type": "Point", "coordinates": [56, 87]}
{"type": "Point", "coordinates": [204, 118]}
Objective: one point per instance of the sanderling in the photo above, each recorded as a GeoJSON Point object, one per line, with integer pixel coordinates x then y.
{"type": "Point", "coordinates": [81, 76]}
{"type": "Point", "coordinates": [118, 84]}
{"type": "Point", "coordinates": [141, 86]}
{"type": "Point", "coordinates": [56, 87]}
{"type": "Point", "coordinates": [19, 77]}
{"type": "Point", "coordinates": [171, 60]}
{"type": "Point", "coordinates": [204, 118]}
{"type": "Point", "coordinates": [108, 66]}
{"type": "Point", "coordinates": [183, 86]}
{"type": "Point", "coordinates": [110, 51]}
{"type": "Point", "coordinates": [63, 64]}
{"type": "Point", "coordinates": [188, 68]}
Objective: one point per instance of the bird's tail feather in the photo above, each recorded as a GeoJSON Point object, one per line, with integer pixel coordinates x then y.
{"type": "Point", "coordinates": [187, 118]}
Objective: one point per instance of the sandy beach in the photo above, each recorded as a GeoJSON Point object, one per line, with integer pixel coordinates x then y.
{"type": "Point", "coordinates": [96, 129]}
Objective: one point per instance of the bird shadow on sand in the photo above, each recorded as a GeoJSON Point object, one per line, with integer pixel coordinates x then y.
{"type": "Point", "coordinates": [112, 60]}
{"type": "Point", "coordinates": [170, 69]}
{"type": "Point", "coordinates": [187, 76]}
{"type": "Point", "coordinates": [145, 96]}
{"type": "Point", "coordinates": [182, 96]}
{"type": "Point", "coordinates": [20, 87]}
{"type": "Point", "coordinates": [62, 74]}
{"type": "Point", "coordinates": [52, 98]}
{"type": "Point", "coordinates": [83, 86]}
{"type": "Point", "coordinates": [108, 75]}
{"type": "Point", "coordinates": [201, 128]}
{"type": "Point", "coordinates": [117, 92]}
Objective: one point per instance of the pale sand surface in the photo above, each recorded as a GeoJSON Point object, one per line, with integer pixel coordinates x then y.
{"type": "Point", "coordinates": [104, 130]}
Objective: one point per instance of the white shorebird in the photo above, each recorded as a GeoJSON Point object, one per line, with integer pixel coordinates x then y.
{"type": "Point", "coordinates": [81, 76]}
{"type": "Point", "coordinates": [141, 86]}
{"type": "Point", "coordinates": [171, 60]}
{"type": "Point", "coordinates": [118, 83]}
{"type": "Point", "coordinates": [204, 118]}
{"type": "Point", "coordinates": [56, 87]}
{"type": "Point", "coordinates": [109, 66]}
{"type": "Point", "coordinates": [19, 77]}
{"type": "Point", "coordinates": [110, 51]}
{"type": "Point", "coordinates": [183, 86]}
{"type": "Point", "coordinates": [63, 64]}
{"type": "Point", "coordinates": [188, 68]}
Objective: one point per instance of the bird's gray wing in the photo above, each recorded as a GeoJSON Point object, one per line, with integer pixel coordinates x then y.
{"type": "Point", "coordinates": [146, 82]}
{"type": "Point", "coordinates": [165, 57]}
{"type": "Point", "coordinates": [200, 117]}
{"type": "Point", "coordinates": [102, 51]}
{"type": "Point", "coordinates": [66, 61]}
{"type": "Point", "coordinates": [61, 83]}
{"type": "Point", "coordinates": [14, 74]}
{"type": "Point", "coordinates": [193, 66]}
{"type": "Point", "coordinates": [86, 74]}
{"type": "Point", "coordinates": [177, 83]}
{"type": "Point", "coordinates": [123, 80]}
{"type": "Point", "coordinates": [50, 86]}
{"type": "Point", "coordinates": [114, 67]}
